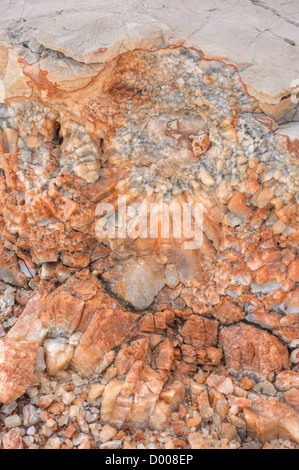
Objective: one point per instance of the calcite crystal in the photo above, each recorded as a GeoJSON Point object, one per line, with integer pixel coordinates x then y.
{"type": "Point", "coordinates": [154, 318]}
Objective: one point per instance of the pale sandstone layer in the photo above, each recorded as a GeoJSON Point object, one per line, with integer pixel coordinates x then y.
{"type": "Point", "coordinates": [149, 328]}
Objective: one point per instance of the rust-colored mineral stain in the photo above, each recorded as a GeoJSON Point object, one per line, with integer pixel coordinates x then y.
{"type": "Point", "coordinates": [38, 79]}
{"type": "Point", "coordinates": [293, 146]}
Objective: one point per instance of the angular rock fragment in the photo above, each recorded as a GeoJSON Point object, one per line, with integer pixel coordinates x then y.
{"type": "Point", "coordinates": [17, 360]}
{"type": "Point", "coordinates": [248, 349]}
{"type": "Point", "coordinates": [29, 326]}
{"type": "Point", "coordinates": [286, 380]}
{"type": "Point", "coordinates": [108, 328]}
{"type": "Point", "coordinates": [131, 400]}
{"type": "Point", "coordinates": [10, 270]}
{"type": "Point", "coordinates": [58, 355]}
{"type": "Point", "coordinates": [62, 311]}
{"type": "Point", "coordinates": [200, 332]}
{"type": "Point", "coordinates": [272, 419]}
{"type": "Point", "coordinates": [13, 439]}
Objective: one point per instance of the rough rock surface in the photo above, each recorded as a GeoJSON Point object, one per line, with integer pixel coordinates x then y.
{"type": "Point", "coordinates": [129, 339]}
{"type": "Point", "coordinates": [17, 359]}
{"type": "Point", "coordinates": [248, 349]}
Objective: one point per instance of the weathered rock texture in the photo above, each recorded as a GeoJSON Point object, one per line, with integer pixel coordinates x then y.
{"type": "Point", "coordinates": [98, 113]}
{"type": "Point", "coordinates": [72, 41]}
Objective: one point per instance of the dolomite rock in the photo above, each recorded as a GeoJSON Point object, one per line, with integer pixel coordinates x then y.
{"type": "Point", "coordinates": [107, 433]}
{"type": "Point", "coordinates": [62, 311]}
{"type": "Point", "coordinates": [227, 311]}
{"type": "Point", "coordinates": [286, 380]}
{"type": "Point", "coordinates": [10, 269]}
{"type": "Point", "coordinates": [58, 355]}
{"type": "Point", "coordinates": [160, 416]}
{"type": "Point", "coordinates": [138, 282]}
{"type": "Point", "coordinates": [200, 332]}
{"type": "Point", "coordinates": [272, 419]}
{"type": "Point", "coordinates": [98, 108]}
{"type": "Point", "coordinates": [164, 355]}
{"type": "Point", "coordinates": [96, 390]}
{"type": "Point", "coordinates": [292, 397]}
{"type": "Point", "coordinates": [249, 349]}
{"type": "Point", "coordinates": [17, 360]}
{"type": "Point", "coordinates": [131, 400]}
{"type": "Point", "coordinates": [137, 350]}
{"type": "Point", "coordinates": [108, 328]}
{"type": "Point", "coordinates": [173, 394]}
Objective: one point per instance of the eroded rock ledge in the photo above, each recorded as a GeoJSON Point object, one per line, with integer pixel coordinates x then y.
{"type": "Point", "coordinates": [143, 330]}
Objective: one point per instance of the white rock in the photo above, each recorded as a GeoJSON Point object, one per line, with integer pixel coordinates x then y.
{"type": "Point", "coordinates": [107, 433]}
{"type": "Point", "coordinates": [12, 421]}
{"type": "Point", "coordinates": [58, 355]}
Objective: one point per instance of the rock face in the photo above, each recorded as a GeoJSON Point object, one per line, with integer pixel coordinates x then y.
{"type": "Point", "coordinates": [149, 224]}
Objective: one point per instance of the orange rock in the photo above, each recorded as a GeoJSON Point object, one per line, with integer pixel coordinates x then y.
{"type": "Point", "coordinates": [85, 444]}
{"type": "Point", "coordinates": [10, 269]}
{"type": "Point", "coordinates": [16, 367]}
{"type": "Point", "coordinates": [205, 410]}
{"type": "Point", "coordinates": [293, 271]}
{"type": "Point", "coordinates": [164, 355]}
{"type": "Point", "coordinates": [240, 402]}
{"type": "Point", "coordinates": [210, 356]}
{"type": "Point", "coordinates": [147, 323]}
{"type": "Point", "coordinates": [263, 256]}
{"type": "Point", "coordinates": [137, 350]}
{"type": "Point", "coordinates": [260, 316]}
{"type": "Point", "coordinates": [160, 416]}
{"type": "Point", "coordinates": [200, 332]}
{"type": "Point", "coordinates": [29, 326]}
{"type": "Point", "coordinates": [228, 311]}
{"type": "Point", "coordinates": [246, 383]}
{"type": "Point", "coordinates": [228, 431]}
{"type": "Point", "coordinates": [70, 431]}
{"type": "Point", "coordinates": [287, 334]}
{"type": "Point", "coordinates": [57, 408]}
{"type": "Point", "coordinates": [178, 442]}
{"type": "Point", "coordinates": [173, 394]}
{"type": "Point", "coordinates": [286, 380]}
{"type": "Point", "coordinates": [248, 349]}
{"type": "Point", "coordinates": [109, 327]}
{"type": "Point", "coordinates": [272, 419]}
{"type": "Point", "coordinates": [131, 401]}
{"type": "Point", "coordinates": [196, 440]}
{"type": "Point", "coordinates": [193, 422]}
{"type": "Point", "coordinates": [63, 311]}
{"type": "Point", "coordinates": [179, 428]}
{"type": "Point", "coordinates": [292, 397]}
{"type": "Point", "coordinates": [237, 205]}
